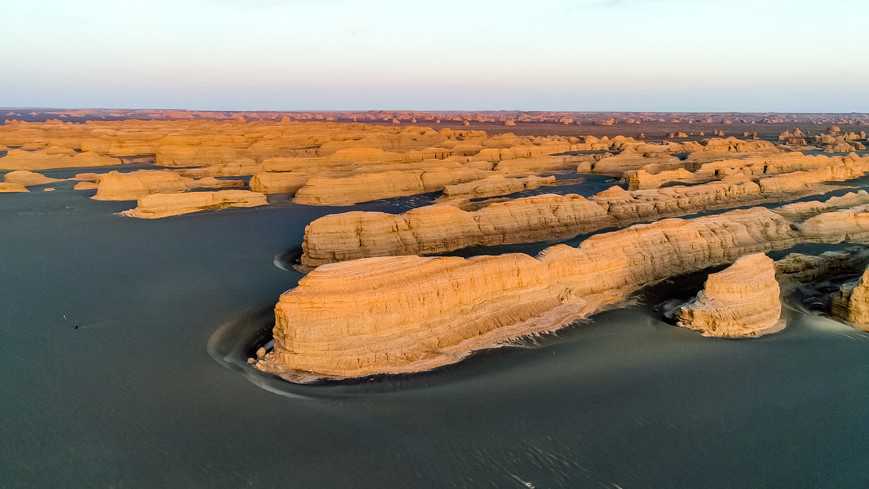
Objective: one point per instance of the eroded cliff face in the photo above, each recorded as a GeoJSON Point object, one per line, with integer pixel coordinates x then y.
{"type": "Point", "coordinates": [406, 314]}
{"type": "Point", "coordinates": [134, 185]}
{"type": "Point", "coordinates": [742, 301]}
{"type": "Point", "coordinates": [28, 178]}
{"type": "Point", "coordinates": [443, 227]}
{"type": "Point", "coordinates": [158, 206]}
{"type": "Point", "coordinates": [547, 217]}
{"type": "Point", "coordinates": [851, 302]}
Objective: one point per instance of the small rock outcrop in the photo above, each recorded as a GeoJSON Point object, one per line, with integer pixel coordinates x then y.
{"type": "Point", "coordinates": [741, 301]}
{"type": "Point", "coordinates": [11, 188]}
{"type": "Point", "coordinates": [851, 302]}
{"type": "Point", "coordinates": [28, 178]}
{"type": "Point", "coordinates": [496, 185]}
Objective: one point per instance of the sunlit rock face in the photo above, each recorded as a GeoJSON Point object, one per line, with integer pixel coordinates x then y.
{"type": "Point", "coordinates": [28, 178]}
{"type": "Point", "coordinates": [851, 302]}
{"type": "Point", "coordinates": [12, 188]}
{"type": "Point", "coordinates": [406, 314]}
{"type": "Point", "coordinates": [741, 301]}
{"type": "Point", "coordinates": [134, 185]}
{"type": "Point", "coordinates": [439, 228]}
{"type": "Point", "coordinates": [157, 206]}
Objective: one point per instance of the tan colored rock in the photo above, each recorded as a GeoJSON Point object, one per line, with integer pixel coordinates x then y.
{"type": "Point", "coordinates": [643, 180]}
{"type": "Point", "coordinates": [278, 182]}
{"type": "Point", "coordinates": [847, 168]}
{"type": "Point", "coordinates": [158, 206]}
{"type": "Point", "coordinates": [363, 187]}
{"type": "Point", "coordinates": [407, 314]}
{"type": "Point", "coordinates": [137, 184]}
{"type": "Point", "coordinates": [540, 218]}
{"type": "Point", "coordinates": [442, 228]}
{"type": "Point", "coordinates": [796, 268]}
{"type": "Point", "coordinates": [847, 225]}
{"type": "Point", "coordinates": [87, 177]}
{"type": "Point", "coordinates": [28, 178]}
{"type": "Point", "coordinates": [805, 210]}
{"type": "Point", "coordinates": [226, 170]}
{"type": "Point", "coordinates": [6, 187]}
{"type": "Point", "coordinates": [638, 205]}
{"type": "Point", "coordinates": [215, 183]}
{"type": "Point", "coordinates": [18, 159]}
{"type": "Point", "coordinates": [632, 160]}
{"type": "Point", "coordinates": [86, 186]}
{"type": "Point", "coordinates": [742, 301]}
{"type": "Point", "coordinates": [496, 185]}
{"type": "Point", "coordinates": [536, 164]}
{"type": "Point", "coordinates": [851, 302]}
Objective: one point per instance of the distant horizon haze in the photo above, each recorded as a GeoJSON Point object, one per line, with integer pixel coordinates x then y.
{"type": "Point", "coordinates": [344, 55]}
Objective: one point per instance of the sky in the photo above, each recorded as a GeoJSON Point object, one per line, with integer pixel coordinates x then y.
{"type": "Point", "coordinates": [582, 55]}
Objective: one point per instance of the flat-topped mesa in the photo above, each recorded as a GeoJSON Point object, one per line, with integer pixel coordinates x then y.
{"type": "Point", "coordinates": [851, 302]}
{"type": "Point", "coordinates": [720, 148]}
{"type": "Point", "coordinates": [364, 187]}
{"type": "Point", "coordinates": [158, 206]}
{"type": "Point", "coordinates": [496, 185]}
{"type": "Point", "coordinates": [278, 182]}
{"type": "Point", "coordinates": [770, 164]}
{"type": "Point", "coordinates": [439, 228]}
{"type": "Point", "coordinates": [547, 217]}
{"type": "Point", "coordinates": [409, 314]}
{"type": "Point", "coordinates": [643, 180]}
{"type": "Point", "coordinates": [846, 225]}
{"type": "Point", "coordinates": [742, 301]}
{"type": "Point", "coordinates": [842, 169]}
{"type": "Point", "coordinates": [799, 211]}
{"type": "Point", "coordinates": [820, 168]}
{"type": "Point", "coordinates": [629, 160]}
{"type": "Point", "coordinates": [135, 185]}
{"type": "Point", "coordinates": [237, 147]}
{"type": "Point", "coordinates": [640, 205]}
{"type": "Point", "coordinates": [28, 178]}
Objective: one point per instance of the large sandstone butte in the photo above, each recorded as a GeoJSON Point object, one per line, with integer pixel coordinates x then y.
{"type": "Point", "coordinates": [410, 313]}
{"type": "Point", "coordinates": [739, 302]}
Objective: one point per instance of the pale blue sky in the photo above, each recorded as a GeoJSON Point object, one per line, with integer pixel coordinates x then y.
{"type": "Point", "coordinates": [665, 55]}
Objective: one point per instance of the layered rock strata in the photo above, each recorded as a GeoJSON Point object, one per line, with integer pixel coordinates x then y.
{"type": "Point", "coordinates": [409, 313]}
{"type": "Point", "coordinates": [496, 185]}
{"type": "Point", "coordinates": [363, 187]}
{"type": "Point", "coordinates": [28, 178]}
{"type": "Point", "coordinates": [851, 302]}
{"type": "Point", "coordinates": [359, 235]}
{"type": "Point", "coordinates": [442, 227]}
{"type": "Point", "coordinates": [742, 301]}
{"type": "Point", "coordinates": [12, 188]}
{"type": "Point", "coordinates": [805, 210]}
{"type": "Point", "coordinates": [158, 206]}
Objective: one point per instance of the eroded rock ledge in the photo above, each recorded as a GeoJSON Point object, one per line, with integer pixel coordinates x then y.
{"type": "Point", "coordinates": [409, 314]}
{"type": "Point", "coordinates": [157, 206]}
{"type": "Point", "coordinates": [441, 228]}
{"type": "Point", "coordinates": [851, 302]}
{"type": "Point", "coordinates": [742, 301]}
